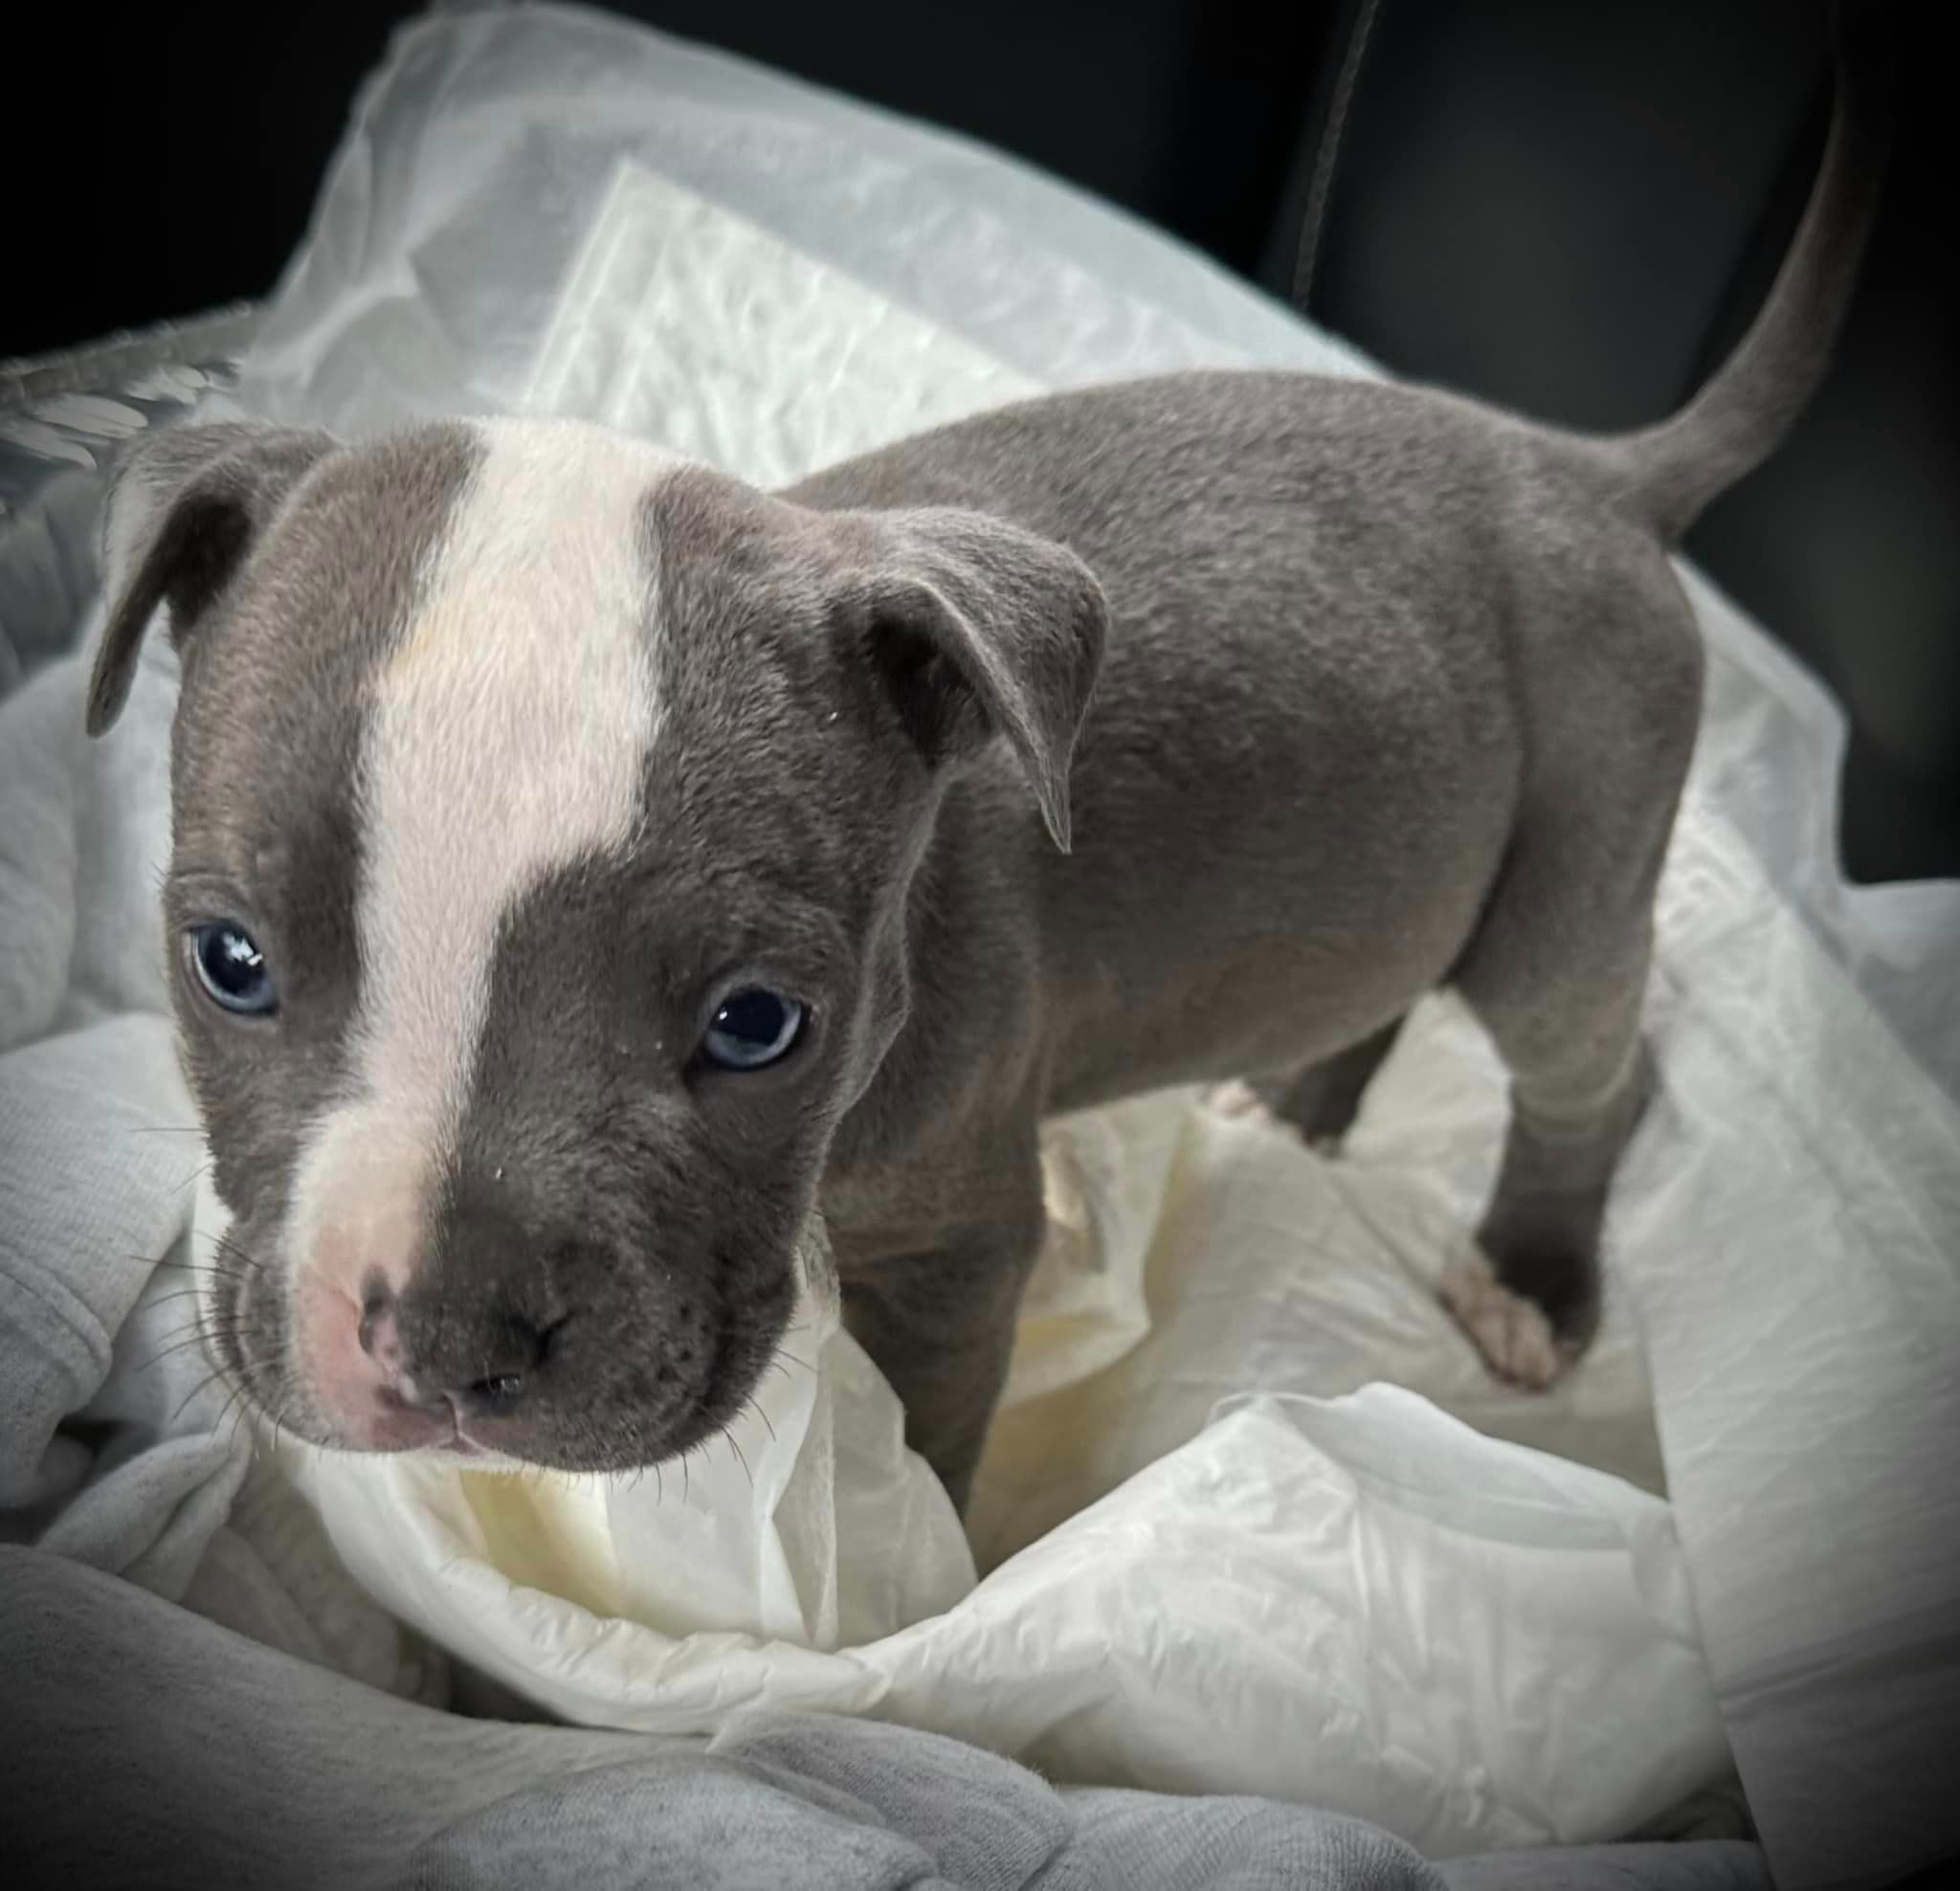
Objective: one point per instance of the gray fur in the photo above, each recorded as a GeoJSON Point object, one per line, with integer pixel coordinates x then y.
{"type": "Point", "coordinates": [1330, 693]}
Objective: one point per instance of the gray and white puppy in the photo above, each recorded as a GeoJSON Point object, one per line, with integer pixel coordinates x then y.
{"type": "Point", "coordinates": [589, 870]}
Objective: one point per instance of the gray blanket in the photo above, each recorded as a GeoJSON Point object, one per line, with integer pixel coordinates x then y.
{"type": "Point", "coordinates": [144, 1746]}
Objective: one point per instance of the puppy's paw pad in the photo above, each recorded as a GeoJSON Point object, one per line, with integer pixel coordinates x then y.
{"type": "Point", "coordinates": [1512, 1333]}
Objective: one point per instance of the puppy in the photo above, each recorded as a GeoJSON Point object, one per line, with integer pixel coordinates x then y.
{"type": "Point", "coordinates": [591, 875]}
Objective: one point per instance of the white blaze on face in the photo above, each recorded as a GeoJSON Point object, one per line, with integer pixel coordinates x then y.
{"type": "Point", "coordinates": [506, 739]}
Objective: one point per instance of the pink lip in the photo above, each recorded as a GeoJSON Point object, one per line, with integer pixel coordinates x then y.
{"type": "Point", "coordinates": [397, 1427]}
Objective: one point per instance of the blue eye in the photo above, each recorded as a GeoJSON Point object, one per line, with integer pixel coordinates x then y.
{"type": "Point", "coordinates": [232, 969]}
{"type": "Point", "coordinates": [752, 1028]}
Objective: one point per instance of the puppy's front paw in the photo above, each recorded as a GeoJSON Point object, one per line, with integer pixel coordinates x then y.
{"type": "Point", "coordinates": [1516, 1339]}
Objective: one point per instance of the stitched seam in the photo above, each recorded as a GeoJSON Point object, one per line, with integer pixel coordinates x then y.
{"type": "Point", "coordinates": [1320, 190]}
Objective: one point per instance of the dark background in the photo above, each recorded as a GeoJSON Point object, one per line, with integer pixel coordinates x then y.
{"type": "Point", "coordinates": [1570, 207]}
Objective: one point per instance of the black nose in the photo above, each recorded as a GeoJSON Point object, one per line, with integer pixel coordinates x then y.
{"type": "Point", "coordinates": [471, 1349]}
{"type": "Point", "coordinates": [486, 1358]}
{"type": "Point", "coordinates": [509, 1366]}
{"type": "Point", "coordinates": [480, 1321]}
{"type": "Point", "coordinates": [481, 1359]}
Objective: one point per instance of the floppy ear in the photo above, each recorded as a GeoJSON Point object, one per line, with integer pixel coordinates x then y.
{"type": "Point", "coordinates": [975, 628]}
{"type": "Point", "coordinates": [182, 509]}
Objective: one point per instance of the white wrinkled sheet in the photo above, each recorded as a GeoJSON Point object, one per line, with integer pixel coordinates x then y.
{"type": "Point", "coordinates": [1323, 1588]}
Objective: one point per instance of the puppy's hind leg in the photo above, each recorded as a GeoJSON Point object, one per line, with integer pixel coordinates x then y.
{"type": "Point", "coordinates": [1528, 1293]}
{"type": "Point", "coordinates": [1557, 973]}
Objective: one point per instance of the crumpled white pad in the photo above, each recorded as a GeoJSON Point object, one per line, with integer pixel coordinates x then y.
{"type": "Point", "coordinates": [1359, 1601]}
{"type": "Point", "coordinates": [1351, 1601]}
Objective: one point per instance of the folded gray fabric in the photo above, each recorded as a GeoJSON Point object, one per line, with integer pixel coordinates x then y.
{"type": "Point", "coordinates": [1719, 1864]}
{"type": "Point", "coordinates": [145, 1513]}
{"type": "Point", "coordinates": [145, 1746]}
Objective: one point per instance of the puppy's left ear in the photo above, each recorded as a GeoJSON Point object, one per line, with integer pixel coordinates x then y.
{"type": "Point", "coordinates": [183, 507]}
{"type": "Point", "coordinates": [976, 628]}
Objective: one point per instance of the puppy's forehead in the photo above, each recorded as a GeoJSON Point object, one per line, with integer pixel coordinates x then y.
{"type": "Point", "coordinates": [507, 737]}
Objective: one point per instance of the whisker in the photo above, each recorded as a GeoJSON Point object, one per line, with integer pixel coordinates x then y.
{"type": "Point", "coordinates": [238, 1408]}
{"type": "Point", "coordinates": [195, 1331]}
{"type": "Point", "coordinates": [197, 1174]}
{"type": "Point", "coordinates": [157, 1358]}
{"type": "Point", "coordinates": [212, 1266]}
{"type": "Point", "coordinates": [191, 1267]}
{"type": "Point", "coordinates": [188, 1324]}
{"type": "Point", "coordinates": [210, 1378]}
{"type": "Point", "coordinates": [177, 1294]}
{"type": "Point", "coordinates": [739, 1457]}
{"type": "Point", "coordinates": [222, 1318]}
{"type": "Point", "coordinates": [226, 1245]}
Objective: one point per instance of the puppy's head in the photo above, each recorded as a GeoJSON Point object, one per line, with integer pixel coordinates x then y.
{"type": "Point", "coordinates": [543, 817]}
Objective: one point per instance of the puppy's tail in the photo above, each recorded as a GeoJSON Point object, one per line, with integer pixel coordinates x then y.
{"type": "Point", "coordinates": [1669, 473]}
